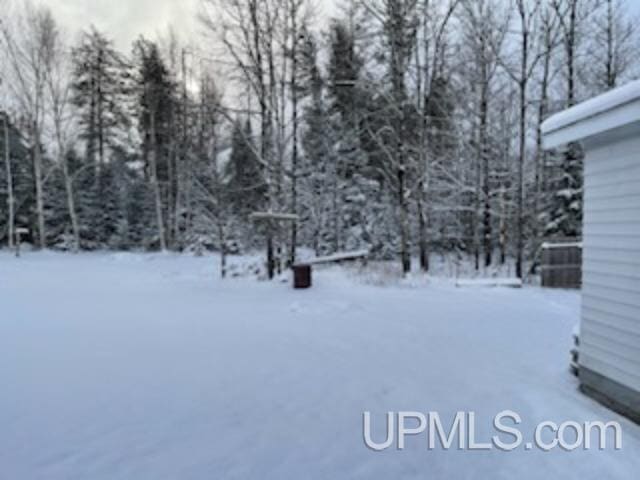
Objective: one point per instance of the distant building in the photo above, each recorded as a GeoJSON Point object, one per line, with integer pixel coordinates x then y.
{"type": "Point", "coordinates": [608, 127]}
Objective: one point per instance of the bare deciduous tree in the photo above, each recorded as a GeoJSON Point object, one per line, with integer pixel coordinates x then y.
{"type": "Point", "coordinates": [58, 88]}
{"type": "Point", "coordinates": [9, 179]}
{"type": "Point", "coordinates": [25, 47]}
{"type": "Point", "coordinates": [486, 26]}
{"type": "Point", "coordinates": [429, 54]}
{"type": "Point", "coordinates": [527, 16]}
{"type": "Point", "coordinates": [614, 44]}
{"type": "Point", "coordinates": [548, 33]}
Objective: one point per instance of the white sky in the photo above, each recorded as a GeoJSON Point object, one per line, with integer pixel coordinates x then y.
{"type": "Point", "coordinates": [125, 20]}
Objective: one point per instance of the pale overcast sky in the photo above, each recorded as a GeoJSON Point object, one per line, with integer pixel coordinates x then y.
{"type": "Point", "coordinates": [125, 20]}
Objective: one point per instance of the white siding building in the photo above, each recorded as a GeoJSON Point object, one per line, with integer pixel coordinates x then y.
{"type": "Point", "coordinates": [608, 127]}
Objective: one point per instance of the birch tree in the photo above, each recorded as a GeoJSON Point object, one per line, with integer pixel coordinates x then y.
{"type": "Point", "coordinates": [59, 86]}
{"type": "Point", "coordinates": [209, 182]}
{"type": "Point", "coordinates": [9, 180]}
{"type": "Point", "coordinates": [25, 47]}
{"type": "Point", "coordinates": [6, 154]}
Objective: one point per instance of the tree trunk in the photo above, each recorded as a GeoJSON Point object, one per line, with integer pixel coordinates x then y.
{"type": "Point", "coordinates": [521, 158]}
{"type": "Point", "coordinates": [223, 253]}
{"type": "Point", "coordinates": [68, 179]}
{"type": "Point", "coordinates": [271, 263]}
{"type": "Point", "coordinates": [258, 43]}
{"type": "Point", "coordinates": [423, 243]}
{"type": "Point", "coordinates": [570, 44]}
{"type": "Point", "coordinates": [37, 171]}
{"type": "Point", "coordinates": [503, 227]}
{"type": "Point", "coordinates": [219, 208]}
{"type": "Point", "coordinates": [181, 171]}
{"type": "Point", "coordinates": [611, 71]}
{"type": "Point", "coordinates": [71, 204]}
{"type": "Point", "coordinates": [477, 212]}
{"type": "Point", "coordinates": [153, 166]}
{"type": "Point", "coordinates": [9, 174]}
{"type": "Point", "coordinates": [400, 52]}
{"type": "Point", "coordinates": [486, 173]}
{"type": "Point", "coordinates": [404, 219]}
{"type": "Point", "coordinates": [170, 192]}
{"type": "Point", "coordinates": [422, 203]}
{"type": "Point", "coordinates": [541, 154]}
{"type": "Point", "coordinates": [294, 152]}
{"type": "Point", "coordinates": [335, 207]}
{"type": "Point", "coordinates": [91, 136]}
{"type": "Point", "coordinates": [100, 112]}
{"type": "Point", "coordinates": [523, 82]}
{"type": "Point", "coordinates": [405, 254]}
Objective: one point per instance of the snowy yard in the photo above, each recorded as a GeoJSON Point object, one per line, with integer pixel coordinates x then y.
{"type": "Point", "coordinates": [147, 367]}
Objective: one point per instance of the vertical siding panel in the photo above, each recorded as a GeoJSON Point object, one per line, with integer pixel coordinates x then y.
{"type": "Point", "coordinates": [611, 253]}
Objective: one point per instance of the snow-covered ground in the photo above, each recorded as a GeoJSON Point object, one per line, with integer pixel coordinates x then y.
{"type": "Point", "coordinates": [148, 367]}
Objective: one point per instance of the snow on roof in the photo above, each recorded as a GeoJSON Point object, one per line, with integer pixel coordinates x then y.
{"type": "Point", "coordinates": [570, 125]}
{"type": "Point", "coordinates": [550, 246]}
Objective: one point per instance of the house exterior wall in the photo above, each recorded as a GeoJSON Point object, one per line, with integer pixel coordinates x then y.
{"type": "Point", "coordinates": [610, 330]}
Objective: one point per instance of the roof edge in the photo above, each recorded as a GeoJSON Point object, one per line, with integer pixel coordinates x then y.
{"type": "Point", "coordinates": [570, 119]}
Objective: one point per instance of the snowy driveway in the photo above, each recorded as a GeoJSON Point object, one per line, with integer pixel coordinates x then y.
{"type": "Point", "coordinates": [148, 368]}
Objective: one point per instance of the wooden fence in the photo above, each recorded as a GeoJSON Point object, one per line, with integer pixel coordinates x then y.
{"type": "Point", "coordinates": [561, 265]}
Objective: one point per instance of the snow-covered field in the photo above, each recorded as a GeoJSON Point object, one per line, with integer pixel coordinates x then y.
{"type": "Point", "coordinates": [147, 367]}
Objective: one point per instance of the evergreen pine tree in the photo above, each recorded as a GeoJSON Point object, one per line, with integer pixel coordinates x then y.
{"type": "Point", "coordinates": [101, 87]}
{"type": "Point", "coordinates": [245, 184]}
{"type": "Point", "coordinates": [156, 100]}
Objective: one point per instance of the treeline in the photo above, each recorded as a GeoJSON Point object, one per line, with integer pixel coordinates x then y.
{"type": "Point", "coordinates": [403, 126]}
